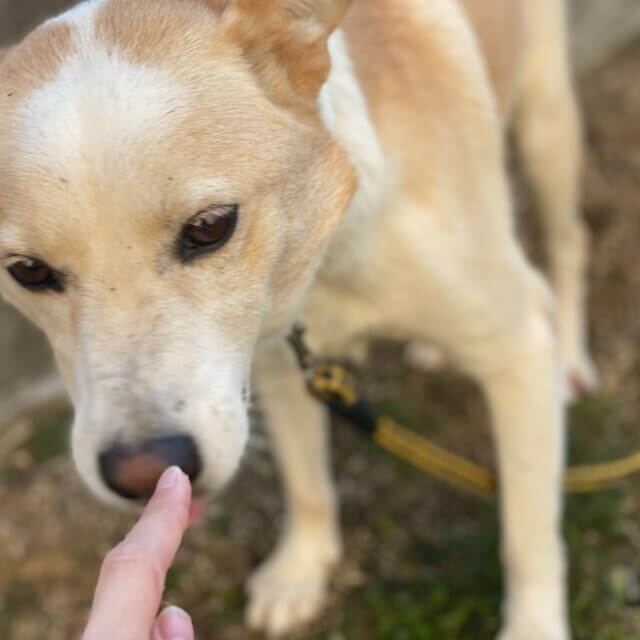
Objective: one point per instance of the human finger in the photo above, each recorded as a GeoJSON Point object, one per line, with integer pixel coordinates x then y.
{"type": "Point", "coordinates": [132, 577]}
{"type": "Point", "coordinates": [173, 624]}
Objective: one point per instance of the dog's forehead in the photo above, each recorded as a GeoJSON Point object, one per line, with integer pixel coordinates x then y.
{"type": "Point", "coordinates": [93, 111]}
{"type": "Point", "coordinates": [80, 86]}
{"type": "Point", "coordinates": [69, 121]}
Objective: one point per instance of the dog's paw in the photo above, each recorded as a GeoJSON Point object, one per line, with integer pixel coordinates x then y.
{"type": "Point", "coordinates": [533, 632]}
{"type": "Point", "coordinates": [424, 357]}
{"type": "Point", "coordinates": [290, 588]}
{"type": "Point", "coordinates": [538, 617]}
{"type": "Point", "coordinates": [582, 377]}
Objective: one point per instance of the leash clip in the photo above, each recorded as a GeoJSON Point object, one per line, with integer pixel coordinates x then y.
{"type": "Point", "coordinates": [306, 359]}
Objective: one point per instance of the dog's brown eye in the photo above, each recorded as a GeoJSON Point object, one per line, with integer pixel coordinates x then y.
{"type": "Point", "coordinates": [207, 231]}
{"type": "Point", "coordinates": [34, 274]}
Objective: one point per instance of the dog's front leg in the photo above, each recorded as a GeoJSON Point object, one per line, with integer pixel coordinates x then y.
{"type": "Point", "coordinates": [525, 398]}
{"type": "Point", "coordinates": [290, 587]}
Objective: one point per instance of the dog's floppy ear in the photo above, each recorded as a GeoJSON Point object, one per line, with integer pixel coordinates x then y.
{"type": "Point", "coordinates": [285, 41]}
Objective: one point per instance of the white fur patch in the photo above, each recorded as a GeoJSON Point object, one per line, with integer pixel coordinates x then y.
{"type": "Point", "coordinates": [70, 124]}
{"type": "Point", "coordinates": [345, 113]}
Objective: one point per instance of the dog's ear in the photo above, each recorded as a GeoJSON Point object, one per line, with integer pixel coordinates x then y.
{"type": "Point", "coordinates": [285, 41]}
{"type": "Point", "coordinates": [325, 14]}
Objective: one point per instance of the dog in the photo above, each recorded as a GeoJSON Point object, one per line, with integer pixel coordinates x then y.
{"type": "Point", "coordinates": [182, 180]}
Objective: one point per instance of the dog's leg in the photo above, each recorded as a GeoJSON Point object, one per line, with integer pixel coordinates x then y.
{"type": "Point", "coordinates": [525, 396]}
{"type": "Point", "coordinates": [520, 371]}
{"type": "Point", "coordinates": [290, 587]}
{"type": "Point", "coordinates": [549, 135]}
{"type": "Point", "coordinates": [493, 315]}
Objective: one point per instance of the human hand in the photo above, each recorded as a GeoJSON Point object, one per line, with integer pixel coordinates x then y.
{"type": "Point", "coordinates": [132, 576]}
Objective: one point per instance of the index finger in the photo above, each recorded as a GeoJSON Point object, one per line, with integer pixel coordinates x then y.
{"type": "Point", "coordinates": [132, 577]}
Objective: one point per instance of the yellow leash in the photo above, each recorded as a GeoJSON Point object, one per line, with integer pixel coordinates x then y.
{"type": "Point", "coordinates": [432, 459]}
{"type": "Point", "coordinates": [474, 478]}
{"type": "Point", "coordinates": [334, 386]}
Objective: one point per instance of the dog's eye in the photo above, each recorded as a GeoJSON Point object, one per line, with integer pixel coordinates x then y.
{"type": "Point", "coordinates": [34, 274]}
{"type": "Point", "coordinates": [207, 231]}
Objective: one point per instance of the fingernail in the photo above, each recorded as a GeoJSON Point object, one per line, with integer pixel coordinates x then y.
{"type": "Point", "coordinates": [169, 479]}
{"type": "Point", "coordinates": [175, 624]}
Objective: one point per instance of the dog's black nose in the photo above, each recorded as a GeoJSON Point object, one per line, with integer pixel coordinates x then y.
{"type": "Point", "coordinates": [132, 470]}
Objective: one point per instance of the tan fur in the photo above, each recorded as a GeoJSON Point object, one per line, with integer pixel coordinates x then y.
{"type": "Point", "coordinates": [500, 27]}
{"type": "Point", "coordinates": [405, 98]}
{"type": "Point", "coordinates": [367, 164]}
{"type": "Point", "coordinates": [41, 55]}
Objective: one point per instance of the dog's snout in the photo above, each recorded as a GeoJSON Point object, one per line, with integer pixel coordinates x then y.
{"type": "Point", "coordinates": [132, 470]}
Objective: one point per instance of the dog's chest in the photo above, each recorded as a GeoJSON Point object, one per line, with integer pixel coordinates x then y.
{"type": "Point", "coordinates": [345, 113]}
{"type": "Point", "coordinates": [339, 310]}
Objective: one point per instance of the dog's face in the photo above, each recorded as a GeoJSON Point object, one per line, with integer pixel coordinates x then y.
{"type": "Point", "coordinates": [167, 191]}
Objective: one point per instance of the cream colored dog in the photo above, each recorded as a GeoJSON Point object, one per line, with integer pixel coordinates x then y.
{"type": "Point", "coordinates": [180, 180]}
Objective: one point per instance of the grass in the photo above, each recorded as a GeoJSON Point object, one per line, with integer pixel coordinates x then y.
{"type": "Point", "coordinates": [459, 599]}
{"type": "Point", "coordinates": [462, 600]}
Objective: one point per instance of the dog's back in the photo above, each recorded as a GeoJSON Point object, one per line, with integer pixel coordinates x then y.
{"type": "Point", "coordinates": [500, 28]}
{"type": "Point", "coordinates": [509, 32]}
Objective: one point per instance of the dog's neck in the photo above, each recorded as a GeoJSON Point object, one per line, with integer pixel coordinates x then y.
{"type": "Point", "coordinates": [345, 113]}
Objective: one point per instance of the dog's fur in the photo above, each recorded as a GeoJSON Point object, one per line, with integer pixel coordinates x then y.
{"type": "Point", "coordinates": [364, 145]}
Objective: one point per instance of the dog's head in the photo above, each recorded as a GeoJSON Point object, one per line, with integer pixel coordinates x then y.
{"type": "Point", "coordinates": [167, 191]}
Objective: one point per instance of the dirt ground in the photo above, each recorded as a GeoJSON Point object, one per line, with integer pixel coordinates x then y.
{"type": "Point", "coordinates": [421, 559]}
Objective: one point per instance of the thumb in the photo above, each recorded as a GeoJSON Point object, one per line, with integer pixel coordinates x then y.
{"type": "Point", "coordinates": [173, 624]}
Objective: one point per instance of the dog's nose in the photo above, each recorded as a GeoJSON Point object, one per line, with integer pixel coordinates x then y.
{"type": "Point", "coordinates": [132, 470]}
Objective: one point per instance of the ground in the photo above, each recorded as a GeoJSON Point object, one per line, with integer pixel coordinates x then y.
{"type": "Point", "coordinates": [421, 558]}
